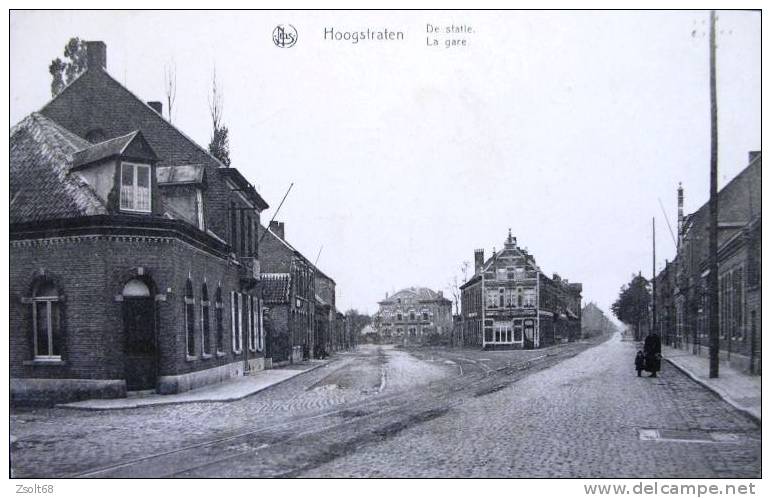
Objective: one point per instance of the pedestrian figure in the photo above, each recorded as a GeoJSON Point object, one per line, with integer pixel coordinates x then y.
{"type": "Point", "coordinates": [639, 362]}
{"type": "Point", "coordinates": [652, 349]}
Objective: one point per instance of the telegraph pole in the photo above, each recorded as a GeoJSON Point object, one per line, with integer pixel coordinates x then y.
{"type": "Point", "coordinates": [653, 301]}
{"type": "Point", "coordinates": [712, 292]}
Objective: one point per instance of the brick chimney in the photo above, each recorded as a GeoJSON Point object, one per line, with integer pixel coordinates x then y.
{"type": "Point", "coordinates": [157, 106]}
{"type": "Point", "coordinates": [277, 227]}
{"type": "Point", "coordinates": [479, 260]}
{"type": "Point", "coordinates": [96, 55]}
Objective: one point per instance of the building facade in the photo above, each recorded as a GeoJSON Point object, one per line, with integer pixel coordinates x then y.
{"type": "Point", "coordinates": [681, 290]}
{"type": "Point", "coordinates": [509, 303]}
{"type": "Point", "coordinates": [414, 315]}
{"type": "Point", "coordinates": [302, 320]}
{"type": "Point", "coordinates": [133, 251]}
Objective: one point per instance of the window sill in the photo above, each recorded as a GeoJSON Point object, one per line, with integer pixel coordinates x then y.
{"type": "Point", "coordinates": [205, 356]}
{"type": "Point", "coordinates": [220, 354]}
{"type": "Point", "coordinates": [237, 352]}
{"type": "Point", "coordinates": [190, 358]}
{"type": "Point", "coordinates": [41, 361]}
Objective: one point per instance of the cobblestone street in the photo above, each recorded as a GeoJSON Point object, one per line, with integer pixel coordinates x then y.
{"type": "Point", "coordinates": [569, 410]}
{"type": "Point", "coordinates": [579, 418]}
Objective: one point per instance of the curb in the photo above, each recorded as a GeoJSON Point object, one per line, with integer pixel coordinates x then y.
{"type": "Point", "coordinates": [68, 406]}
{"type": "Point", "coordinates": [717, 391]}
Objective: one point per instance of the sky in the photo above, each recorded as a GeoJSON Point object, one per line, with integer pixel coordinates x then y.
{"type": "Point", "coordinates": [569, 128]}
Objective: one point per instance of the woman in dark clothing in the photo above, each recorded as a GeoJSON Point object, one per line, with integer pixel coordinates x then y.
{"type": "Point", "coordinates": [652, 350]}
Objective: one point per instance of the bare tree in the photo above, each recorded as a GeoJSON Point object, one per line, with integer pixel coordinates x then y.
{"type": "Point", "coordinates": [219, 146]}
{"type": "Point", "coordinates": [170, 86]}
{"type": "Point", "coordinates": [455, 285]}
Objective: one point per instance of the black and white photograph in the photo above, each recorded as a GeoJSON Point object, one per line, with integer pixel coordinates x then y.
{"type": "Point", "coordinates": [391, 244]}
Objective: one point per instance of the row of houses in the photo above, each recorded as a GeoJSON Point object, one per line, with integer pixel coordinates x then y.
{"type": "Point", "coordinates": [508, 303]}
{"type": "Point", "coordinates": [682, 312]}
{"type": "Point", "coordinates": [138, 260]}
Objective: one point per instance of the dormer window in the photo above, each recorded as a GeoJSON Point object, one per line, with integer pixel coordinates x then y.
{"type": "Point", "coordinates": [135, 187]}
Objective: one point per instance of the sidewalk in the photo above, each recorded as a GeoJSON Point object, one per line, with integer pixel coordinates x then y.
{"type": "Point", "coordinates": [740, 390]}
{"type": "Point", "coordinates": [230, 390]}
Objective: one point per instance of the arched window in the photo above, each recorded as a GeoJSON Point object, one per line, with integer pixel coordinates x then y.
{"type": "Point", "coordinates": [205, 329]}
{"type": "Point", "coordinates": [46, 322]}
{"type": "Point", "coordinates": [135, 288]}
{"type": "Point", "coordinates": [190, 318]}
{"type": "Point", "coordinates": [218, 320]}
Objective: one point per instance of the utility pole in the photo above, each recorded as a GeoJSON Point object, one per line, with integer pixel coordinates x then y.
{"type": "Point", "coordinates": [712, 292]}
{"type": "Point", "coordinates": [653, 281]}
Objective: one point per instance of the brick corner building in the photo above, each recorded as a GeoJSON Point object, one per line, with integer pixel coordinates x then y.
{"type": "Point", "coordinates": [133, 251]}
{"type": "Point", "coordinates": [510, 303]}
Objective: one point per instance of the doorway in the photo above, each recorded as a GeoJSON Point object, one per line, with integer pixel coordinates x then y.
{"type": "Point", "coordinates": [140, 350]}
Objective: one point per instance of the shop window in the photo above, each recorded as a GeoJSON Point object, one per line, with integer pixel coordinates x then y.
{"type": "Point", "coordinates": [46, 322]}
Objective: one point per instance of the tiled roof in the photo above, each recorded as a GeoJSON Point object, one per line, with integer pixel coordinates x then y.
{"type": "Point", "coordinates": [738, 202]}
{"type": "Point", "coordinates": [419, 293]}
{"type": "Point", "coordinates": [261, 232]}
{"type": "Point", "coordinates": [102, 150]}
{"type": "Point", "coordinates": [275, 288]}
{"type": "Point", "coordinates": [40, 154]}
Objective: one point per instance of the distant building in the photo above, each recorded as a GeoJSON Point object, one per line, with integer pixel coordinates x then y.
{"type": "Point", "coordinates": [594, 321]}
{"type": "Point", "coordinates": [509, 303]}
{"type": "Point", "coordinates": [415, 314]}
{"type": "Point", "coordinates": [681, 290]}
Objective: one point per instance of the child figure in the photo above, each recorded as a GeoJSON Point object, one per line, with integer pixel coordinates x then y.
{"type": "Point", "coordinates": [639, 362]}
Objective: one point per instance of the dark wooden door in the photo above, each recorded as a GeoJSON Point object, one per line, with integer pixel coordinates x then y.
{"type": "Point", "coordinates": [141, 345]}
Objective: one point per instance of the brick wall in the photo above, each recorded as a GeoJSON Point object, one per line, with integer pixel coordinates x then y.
{"type": "Point", "coordinates": [90, 271]}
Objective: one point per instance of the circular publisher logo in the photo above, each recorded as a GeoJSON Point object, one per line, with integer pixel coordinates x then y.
{"type": "Point", "coordinates": [284, 36]}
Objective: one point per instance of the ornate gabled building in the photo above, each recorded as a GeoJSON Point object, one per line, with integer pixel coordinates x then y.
{"type": "Point", "coordinates": [509, 303]}
{"type": "Point", "coordinates": [133, 251]}
{"type": "Point", "coordinates": [414, 314]}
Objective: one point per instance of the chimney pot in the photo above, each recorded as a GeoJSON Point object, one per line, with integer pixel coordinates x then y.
{"type": "Point", "coordinates": [96, 55]}
{"type": "Point", "coordinates": [157, 106]}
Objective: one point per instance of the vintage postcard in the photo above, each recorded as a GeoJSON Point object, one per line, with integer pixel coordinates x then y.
{"type": "Point", "coordinates": [386, 244]}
